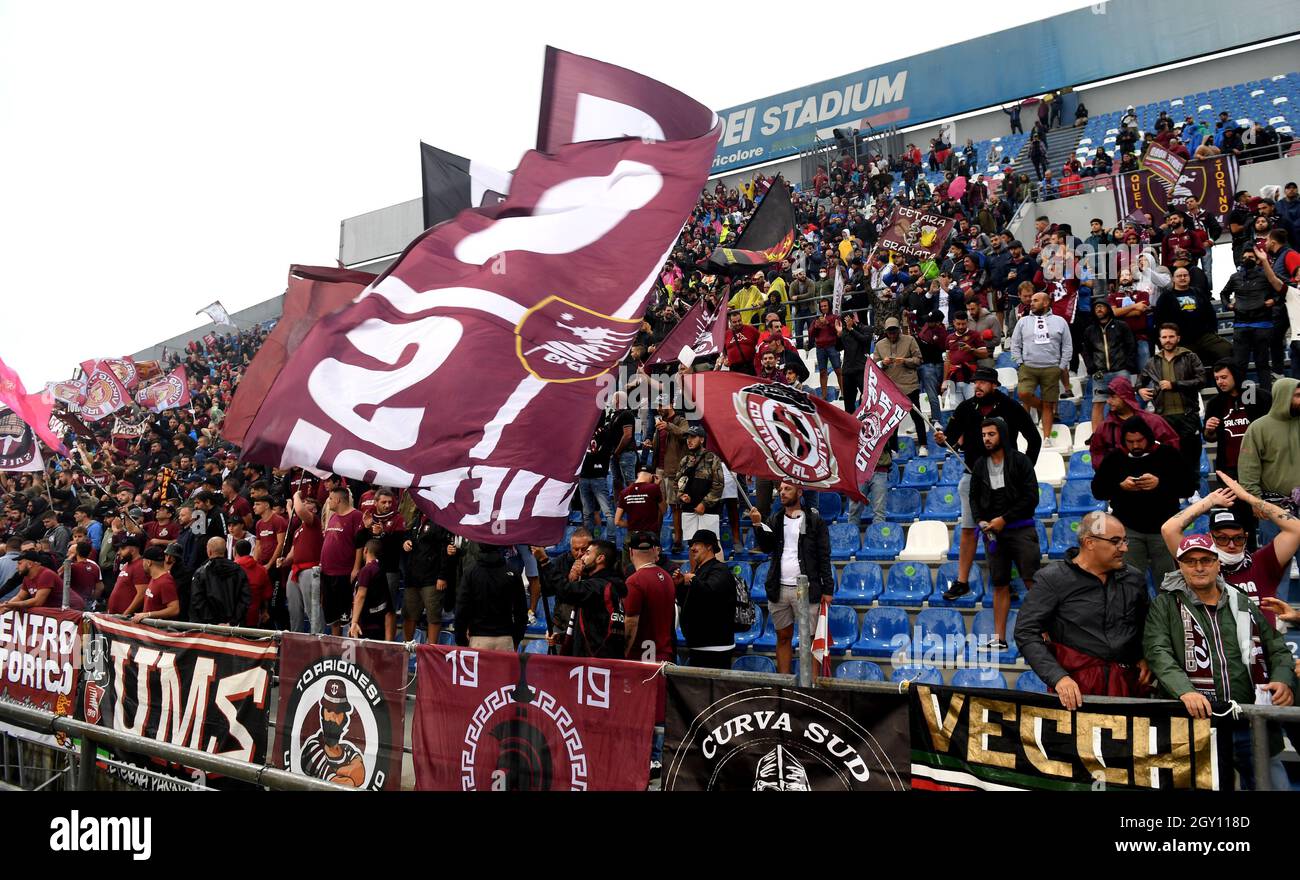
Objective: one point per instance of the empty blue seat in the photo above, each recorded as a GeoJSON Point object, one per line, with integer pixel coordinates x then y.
{"type": "Point", "coordinates": [884, 540]}
{"type": "Point", "coordinates": [940, 633]}
{"type": "Point", "coordinates": [1076, 498]}
{"type": "Point", "coordinates": [860, 583]}
{"type": "Point", "coordinates": [1030, 682]}
{"type": "Point", "coordinates": [884, 630]}
{"type": "Point", "coordinates": [917, 674]}
{"type": "Point", "coordinates": [767, 640]}
{"type": "Point", "coordinates": [1080, 466]}
{"type": "Point", "coordinates": [535, 646]}
{"type": "Point", "coordinates": [746, 638]}
{"type": "Point", "coordinates": [908, 583]}
{"type": "Point", "coordinates": [845, 540]}
{"type": "Point", "coordinates": [903, 505]}
{"type": "Point", "coordinates": [538, 627]}
{"type": "Point", "coordinates": [942, 504]}
{"type": "Point", "coordinates": [906, 450]}
{"type": "Point", "coordinates": [1067, 412]}
{"type": "Point", "coordinates": [758, 582]}
{"type": "Point", "coordinates": [829, 505]}
{"type": "Point", "coordinates": [978, 677]}
{"type": "Point", "coordinates": [1065, 534]}
{"type": "Point", "coordinates": [843, 626]}
{"type": "Point", "coordinates": [446, 638]}
{"type": "Point", "coordinates": [1199, 526]}
{"type": "Point", "coordinates": [982, 629]}
{"type": "Point", "coordinates": [1004, 359]}
{"type": "Point", "coordinates": [943, 580]}
{"type": "Point", "coordinates": [859, 670]}
{"type": "Point", "coordinates": [1046, 502]}
{"type": "Point", "coordinates": [753, 663]}
{"type": "Point", "coordinates": [954, 549]}
{"type": "Point", "coordinates": [919, 473]}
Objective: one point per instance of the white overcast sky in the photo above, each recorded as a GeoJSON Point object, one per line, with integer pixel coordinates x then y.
{"type": "Point", "coordinates": [157, 156]}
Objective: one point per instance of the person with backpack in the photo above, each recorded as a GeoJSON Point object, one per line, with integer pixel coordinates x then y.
{"type": "Point", "coordinates": [596, 628]}
{"type": "Point", "coordinates": [707, 597]}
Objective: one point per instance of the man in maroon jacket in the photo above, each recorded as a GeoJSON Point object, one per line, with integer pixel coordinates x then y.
{"type": "Point", "coordinates": [742, 340]}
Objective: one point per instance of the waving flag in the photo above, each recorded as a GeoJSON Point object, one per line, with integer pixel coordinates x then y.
{"type": "Point", "coordinates": [123, 368]}
{"type": "Point", "coordinates": [216, 313]}
{"type": "Point", "coordinates": [18, 448]}
{"type": "Point", "coordinates": [453, 183]}
{"type": "Point", "coordinates": [700, 333]}
{"type": "Point", "coordinates": [33, 409]}
{"type": "Point", "coordinates": [105, 392]}
{"type": "Point", "coordinates": [882, 409]}
{"type": "Point", "coordinates": [768, 236]}
{"type": "Point", "coordinates": [821, 645]}
{"type": "Point", "coordinates": [169, 392]}
{"type": "Point", "coordinates": [489, 332]}
{"type": "Point", "coordinates": [1166, 167]}
{"type": "Point", "coordinates": [72, 392]}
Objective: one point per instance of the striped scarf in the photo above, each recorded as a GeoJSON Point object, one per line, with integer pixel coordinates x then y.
{"type": "Point", "coordinates": [1201, 648]}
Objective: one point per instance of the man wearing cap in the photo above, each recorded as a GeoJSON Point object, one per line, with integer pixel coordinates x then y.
{"type": "Point", "coordinates": [1041, 348]}
{"type": "Point", "coordinates": [160, 599]}
{"type": "Point", "coordinates": [128, 591]}
{"type": "Point", "coordinates": [799, 543]}
{"type": "Point", "coordinates": [1206, 640]}
{"type": "Point", "coordinates": [40, 588]}
{"type": "Point", "coordinates": [699, 485]}
{"type": "Point", "coordinates": [326, 754]}
{"type": "Point", "coordinates": [707, 597]}
{"type": "Point", "coordinates": [163, 529]}
{"type": "Point", "coordinates": [900, 356]}
{"type": "Point", "coordinates": [1092, 608]}
{"type": "Point", "coordinates": [648, 609]}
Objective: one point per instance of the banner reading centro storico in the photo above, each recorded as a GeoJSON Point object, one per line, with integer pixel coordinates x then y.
{"type": "Point", "coordinates": [39, 662]}
{"type": "Point", "coordinates": [501, 721]}
{"type": "Point", "coordinates": [999, 740]}
{"type": "Point", "coordinates": [915, 233]}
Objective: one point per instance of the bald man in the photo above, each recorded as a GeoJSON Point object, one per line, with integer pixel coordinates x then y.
{"type": "Point", "coordinates": [220, 592]}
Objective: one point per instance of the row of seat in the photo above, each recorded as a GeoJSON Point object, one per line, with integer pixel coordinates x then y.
{"type": "Point", "coordinates": [866, 670]}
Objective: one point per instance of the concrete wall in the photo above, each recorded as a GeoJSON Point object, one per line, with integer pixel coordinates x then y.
{"type": "Point", "coordinates": [378, 234]}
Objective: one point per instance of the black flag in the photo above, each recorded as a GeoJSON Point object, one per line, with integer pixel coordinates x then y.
{"type": "Point", "coordinates": [769, 235]}
{"type": "Point", "coordinates": [453, 183]}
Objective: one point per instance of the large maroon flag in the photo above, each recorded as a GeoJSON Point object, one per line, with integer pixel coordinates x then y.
{"type": "Point", "coordinates": [123, 368]}
{"type": "Point", "coordinates": [701, 332]}
{"type": "Point", "coordinates": [777, 431]}
{"type": "Point", "coordinates": [489, 333]}
{"type": "Point", "coordinates": [105, 391]}
{"type": "Point", "coordinates": [313, 293]}
{"type": "Point", "coordinates": [882, 409]}
{"type": "Point", "coordinates": [501, 721]}
{"type": "Point", "coordinates": [34, 409]}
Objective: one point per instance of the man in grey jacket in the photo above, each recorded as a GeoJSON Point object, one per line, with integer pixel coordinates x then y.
{"type": "Point", "coordinates": [1041, 348]}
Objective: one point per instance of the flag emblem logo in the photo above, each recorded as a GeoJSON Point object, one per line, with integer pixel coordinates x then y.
{"type": "Point", "coordinates": [559, 341]}
{"type": "Point", "coordinates": [787, 428]}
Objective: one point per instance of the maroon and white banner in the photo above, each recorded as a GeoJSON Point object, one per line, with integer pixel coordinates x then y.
{"type": "Point", "coordinates": [777, 431]}
{"type": "Point", "coordinates": [915, 233]}
{"type": "Point", "coordinates": [19, 450]}
{"type": "Point", "coordinates": [105, 392]}
{"type": "Point", "coordinates": [169, 392]}
{"type": "Point", "coordinates": [123, 368]}
{"type": "Point", "coordinates": [40, 657]}
{"type": "Point", "coordinates": [34, 409]}
{"type": "Point", "coordinates": [525, 305]}
{"type": "Point", "coordinates": [502, 721]}
{"type": "Point", "coordinates": [341, 710]}
{"type": "Point", "coordinates": [148, 371]}
{"type": "Point", "coordinates": [72, 392]}
{"type": "Point", "coordinates": [881, 411]}
{"type": "Point", "coordinates": [130, 430]}
{"type": "Point", "coordinates": [700, 333]}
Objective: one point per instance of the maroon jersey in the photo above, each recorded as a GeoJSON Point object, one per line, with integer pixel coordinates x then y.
{"type": "Point", "coordinates": [42, 578]}
{"type": "Point", "coordinates": [85, 575]}
{"type": "Point", "coordinates": [157, 531]}
{"type": "Point", "coordinates": [160, 593]}
{"type": "Point", "coordinates": [239, 509]}
{"type": "Point", "coordinates": [307, 539]}
{"type": "Point", "coordinates": [651, 596]}
{"type": "Point", "coordinates": [131, 576]}
{"type": "Point", "coordinates": [267, 532]}
{"type": "Point", "coordinates": [339, 547]}
{"type": "Point", "coordinates": [1260, 578]}
{"type": "Point", "coordinates": [640, 503]}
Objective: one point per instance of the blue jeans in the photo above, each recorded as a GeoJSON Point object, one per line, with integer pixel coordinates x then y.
{"type": "Point", "coordinates": [802, 318]}
{"type": "Point", "coordinates": [931, 375]}
{"type": "Point", "coordinates": [876, 489]}
{"type": "Point", "coordinates": [593, 491]}
{"type": "Point", "coordinates": [827, 353]}
{"type": "Point", "coordinates": [1243, 760]}
{"type": "Point", "coordinates": [1143, 354]}
{"type": "Point", "coordinates": [657, 745]}
{"type": "Point", "coordinates": [627, 466]}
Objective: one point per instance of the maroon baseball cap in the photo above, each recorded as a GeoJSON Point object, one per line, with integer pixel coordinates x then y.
{"type": "Point", "coordinates": [336, 696]}
{"type": "Point", "coordinates": [1196, 542]}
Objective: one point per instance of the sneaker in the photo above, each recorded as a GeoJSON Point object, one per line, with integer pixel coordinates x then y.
{"type": "Point", "coordinates": [656, 769]}
{"type": "Point", "coordinates": [923, 452]}
{"type": "Point", "coordinates": [996, 645]}
{"type": "Point", "coordinates": [956, 590]}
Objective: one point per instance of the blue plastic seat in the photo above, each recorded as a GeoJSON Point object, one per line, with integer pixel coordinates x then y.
{"type": "Point", "coordinates": [917, 674]}
{"type": "Point", "coordinates": [860, 584]}
{"type": "Point", "coordinates": [941, 632]}
{"type": "Point", "coordinates": [830, 505]}
{"type": "Point", "coordinates": [884, 540]}
{"type": "Point", "coordinates": [952, 471]}
{"type": "Point", "coordinates": [843, 626]}
{"type": "Point", "coordinates": [859, 670]}
{"type": "Point", "coordinates": [919, 473]}
{"type": "Point", "coordinates": [954, 549]}
{"type": "Point", "coordinates": [1199, 526]}
{"type": "Point", "coordinates": [447, 638]}
{"type": "Point", "coordinates": [1065, 534]}
{"type": "Point", "coordinates": [982, 629]}
{"type": "Point", "coordinates": [1031, 683]}
{"type": "Point", "coordinates": [1205, 463]}
{"type": "Point", "coordinates": [908, 583]}
{"type": "Point", "coordinates": [906, 450]}
{"type": "Point", "coordinates": [767, 640]}
{"type": "Point", "coordinates": [1076, 498]}
{"type": "Point", "coordinates": [845, 540]}
{"type": "Point", "coordinates": [1004, 360]}
{"type": "Point", "coordinates": [979, 677]}
{"type": "Point", "coordinates": [942, 504]}
{"type": "Point", "coordinates": [1067, 412]}
{"type": "Point", "coordinates": [535, 646]}
{"type": "Point", "coordinates": [758, 583]}
{"type": "Point", "coordinates": [1046, 502]}
{"type": "Point", "coordinates": [943, 580]}
{"type": "Point", "coordinates": [884, 630]}
{"type": "Point", "coordinates": [538, 627]}
{"type": "Point", "coordinates": [753, 663]}
{"type": "Point", "coordinates": [903, 506]}
{"type": "Point", "coordinates": [746, 638]}
{"type": "Point", "coordinates": [1080, 466]}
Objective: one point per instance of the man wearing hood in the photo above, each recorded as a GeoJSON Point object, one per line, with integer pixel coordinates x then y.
{"type": "Point", "coordinates": [1206, 640]}
{"type": "Point", "coordinates": [1109, 350]}
{"type": "Point", "coordinates": [1092, 607]}
{"type": "Point", "coordinates": [1228, 415]}
{"type": "Point", "coordinates": [1172, 380]}
{"type": "Point", "coordinates": [1270, 452]}
{"type": "Point", "coordinates": [597, 624]}
{"type": "Point", "coordinates": [1250, 297]}
{"type": "Point", "coordinates": [1003, 495]}
{"type": "Point", "coordinates": [1143, 485]}
{"type": "Point", "coordinates": [1123, 404]}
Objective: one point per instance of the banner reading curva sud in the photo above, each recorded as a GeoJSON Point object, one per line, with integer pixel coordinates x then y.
{"type": "Point", "coordinates": [39, 664]}
{"type": "Point", "coordinates": [501, 721]}
{"type": "Point", "coordinates": [201, 691]}
{"type": "Point", "coordinates": [732, 736]}
{"type": "Point", "coordinates": [341, 710]}
{"type": "Point", "coordinates": [1005, 740]}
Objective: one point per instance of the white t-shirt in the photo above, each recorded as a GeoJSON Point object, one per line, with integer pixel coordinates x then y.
{"type": "Point", "coordinates": [790, 553]}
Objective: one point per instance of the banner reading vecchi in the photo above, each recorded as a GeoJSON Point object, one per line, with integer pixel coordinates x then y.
{"type": "Point", "coordinates": [200, 691]}
{"type": "Point", "coordinates": [341, 710]}
{"type": "Point", "coordinates": [501, 721]}
{"type": "Point", "coordinates": [1006, 740]}
{"type": "Point", "coordinates": [727, 736]}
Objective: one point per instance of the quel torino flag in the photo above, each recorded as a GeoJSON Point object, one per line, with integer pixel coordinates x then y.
{"type": "Point", "coordinates": [700, 333]}
{"type": "Point", "coordinates": [882, 409]}
{"type": "Point", "coordinates": [491, 330]}
{"type": "Point", "coordinates": [34, 409]}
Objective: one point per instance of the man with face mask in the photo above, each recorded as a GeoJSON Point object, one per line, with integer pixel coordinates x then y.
{"type": "Point", "coordinates": [1143, 485]}
{"type": "Point", "coordinates": [326, 754]}
{"type": "Point", "coordinates": [1250, 297]}
{"type": "Point", "coordinates": [1269, 464]}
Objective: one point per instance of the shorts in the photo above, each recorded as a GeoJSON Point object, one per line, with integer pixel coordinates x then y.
{"type": "Point", "coordinates": [1019, 546]}
{"type": "Point", "coordinates": [427, 599]}
{"type": "Point", "coordinates": [827, 353]}
{"type": "Point", "coordinates": [1101, 390]}
{"type": "Point", "coordinates": [782, 614]}
{"type": "Point", "coordinates": [336, 597]}
{"type": "Point", "coordinates": [1046, 378]}
{"type": "Point", "coordinates": [491, 643]}
{"type": "Point", "coordinates": [963, 492]}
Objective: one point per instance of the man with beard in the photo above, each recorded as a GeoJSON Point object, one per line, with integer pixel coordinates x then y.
{"type": "Point", "coordinates": [128, 592]}
{"type": "Point", "coordinates": [340, 555]}
{"type": "Point", "coordinates": [554, 573]}
{"type": "Point", "coordinates": [966, 428]}
{"type": "Point", "coordinates": [1193, 315]}
{"type": "Point", "coordinates": [163, 530]}
{"type": "Point", "coordinates": [1092, 608]}
{"type": "Point", "coordinates": [326, 754]}
{"type": "Point", "coordinates": [699, 485]}
{"type": "Point", "coordinates": [430, 578]}
{"type": "Point", "coordinates": [1269, 464]}
{"type": "Point", "coordinates": [1109, 350]}
{"type": "Point", "coordinates": [742, 340]}
{"type": "Point", "coordinates": [1041, 348]}
{"type": "Point", "coordinates": [160, 598]}
{"type": "Point", "coordinates": [1228, 415]}
{"type": "Point", "coordinates": [596, 626]}
{"type": "Point", "coordinates": [40, 587]}
{"type": "Point", "coordinates": [387, 525]}
{"type": "Point", "coordinates": [1172, 380]}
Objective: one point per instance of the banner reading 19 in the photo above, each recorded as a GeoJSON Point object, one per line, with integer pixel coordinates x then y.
{"type": "Point", "coordinates": [593, 681]}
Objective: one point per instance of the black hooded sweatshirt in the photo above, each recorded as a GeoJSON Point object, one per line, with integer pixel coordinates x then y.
{"type": "Point", "coordinates": [1109, 347]}
{"type": "Point", "coordinates": [1017, 498]}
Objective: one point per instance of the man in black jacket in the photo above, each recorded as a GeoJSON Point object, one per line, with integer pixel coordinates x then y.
{"type": "Point", "coordinates": [1250, 297]}
{"type": "Point", "coordinates": [1227, 417]}
{"type": "Point", "coordinates": [219, 593]}
{"type": "Point", "coordinates": [1109, 350]}
{"type": "Point", "coordinates": [555, 573]}
{"type": "Point", "coordinates": [491, 608]}
{"type": "Point", "coordinates": [707, 596]}
{"type": "Point", "coordinates": [810, 555]}
{"type": "Point", "coordinates": [430, 578]}
{"type": "Point", "coordinates": [966, 428]}
{"type": "Point", "coordinates": [597, 622]}
{"type": "Point", "coordinates": [1093, 609]}
{"type": "Point", "coordinates": [1003, 496]}
{"type": "Point", "coordinates": [857, 342]}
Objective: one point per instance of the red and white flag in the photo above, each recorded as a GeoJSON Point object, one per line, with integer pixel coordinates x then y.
{"type": "Point", "coordinates": [123, 368]}
{"type": "Point", "coordinates": [882, 408]}
{"type": "Point", "coordinates": [33, 409]}
{"type": "Point", "coordinates": [490, 331]}
{"type": "Point", "coordinates": [1166, 166]}
{"type": "Point", "coordinates": [169, 392]}
{"type": "Point", "coordinates": [701, 332]}
{"type": "Point", "coordinates": [105, 392]}
{"type": "Point", "coordinates": [72, 392]}
{"type": "Point", "coordinates": [821, 644]}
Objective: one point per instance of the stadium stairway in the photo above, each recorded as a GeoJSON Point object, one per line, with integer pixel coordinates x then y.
{"type": "Point", "coordinates": [1061, 144]}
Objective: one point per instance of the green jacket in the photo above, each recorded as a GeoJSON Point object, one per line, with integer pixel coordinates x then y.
{"type": "Point", "coordinates": [1270, 451]}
